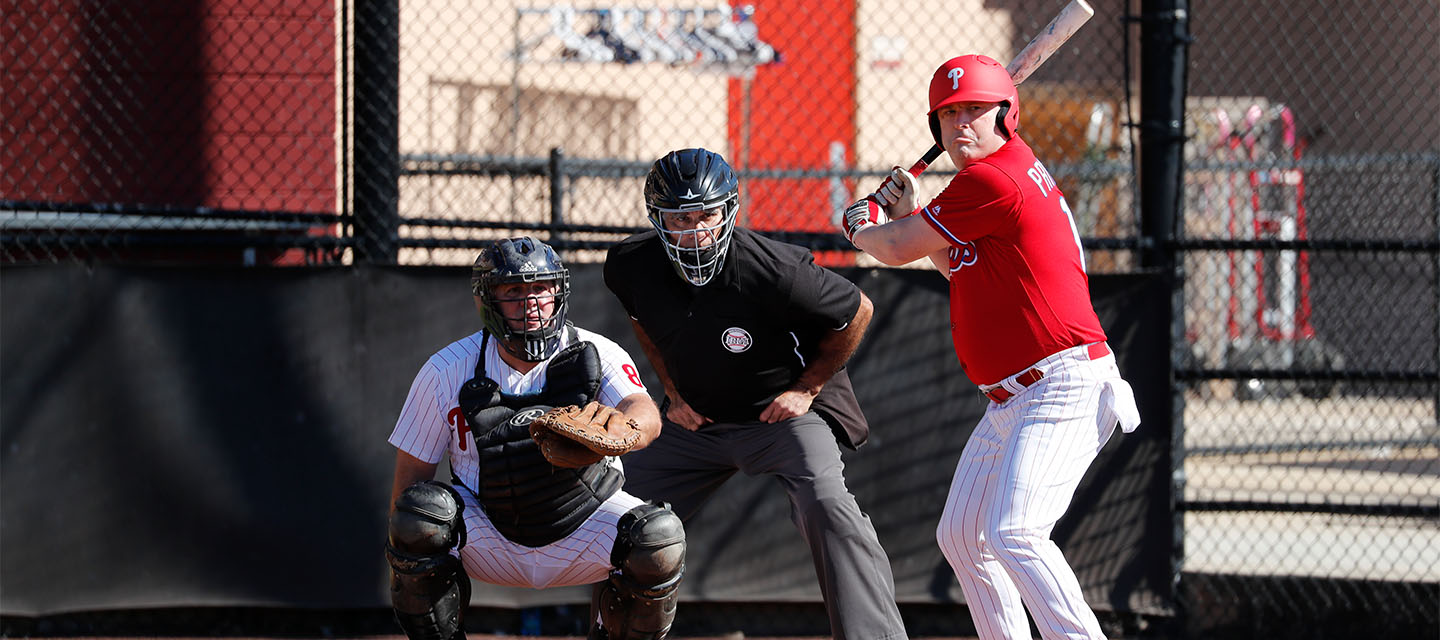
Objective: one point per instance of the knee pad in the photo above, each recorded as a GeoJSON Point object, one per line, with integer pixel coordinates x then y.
{"type": "Point", "coordinates": [431, 606]}
{"type": "Point", "coordinates": [637, 602]}
{"type": "Point", "coordinates": [428, 588]}
{"type": "Point", "coordinates": [428, 519]}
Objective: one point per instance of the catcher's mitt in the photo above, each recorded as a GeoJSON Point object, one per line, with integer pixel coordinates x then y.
{"type": "Point", "coordinates": [574, 437]}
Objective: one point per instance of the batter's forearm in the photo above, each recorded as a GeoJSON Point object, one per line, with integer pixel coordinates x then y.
{"type": "Point", "coordinates": [941, 260]}
{"type": "Point", "coordinates": [901, 241]}
{"type": "Point", "coordinates": [880, 242]}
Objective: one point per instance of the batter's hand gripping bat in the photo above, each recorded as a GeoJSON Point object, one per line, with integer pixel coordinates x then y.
{"type": "Point", "coordinates": [1040, 48]}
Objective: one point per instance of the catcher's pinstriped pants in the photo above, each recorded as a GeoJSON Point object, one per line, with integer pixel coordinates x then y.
{"type": "Point", "coordinates": [685, 468]}
{"type": "Point", "coordinates": [583, 557]}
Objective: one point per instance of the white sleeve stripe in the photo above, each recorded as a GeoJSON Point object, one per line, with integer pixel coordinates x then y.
{"type": "Point", "coordinates": [943, 229]}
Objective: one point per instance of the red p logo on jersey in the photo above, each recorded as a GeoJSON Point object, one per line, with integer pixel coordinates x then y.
{"type": "Point", "coordinates": [456, 418]}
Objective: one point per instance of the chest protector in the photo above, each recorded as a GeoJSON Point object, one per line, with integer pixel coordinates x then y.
{"type": "Point", "coordinates": [530, 501]}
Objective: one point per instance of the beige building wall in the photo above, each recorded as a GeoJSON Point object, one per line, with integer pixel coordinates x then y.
{"type": "Point", "coordinates": [464, 92]}
{"type": "Point", "coordinates": [460, 84]}
{"type": "Point", "coordinates": [899, 44]}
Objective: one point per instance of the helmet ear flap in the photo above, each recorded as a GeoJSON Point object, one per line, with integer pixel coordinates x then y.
{"type": "Point", "coordinates": [1000, 120]}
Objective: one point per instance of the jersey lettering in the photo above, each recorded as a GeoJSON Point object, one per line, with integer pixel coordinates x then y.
{"type": "Point", "coordinates": [1046, 183]}
{"type": "Point", "coordinates": [633, 375]}
{"type": "Point", "coordinates": [1074, 231]}
{"type": "Point", "coordinates": [456, 418]}
{"type": "Point", "coordinates": [962, 256]}
{"type": "Point", "coordinates": [1042, 178]}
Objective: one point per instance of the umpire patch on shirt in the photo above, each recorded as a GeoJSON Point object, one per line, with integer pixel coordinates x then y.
{"type": "Point", "coordinates": [736, 340]}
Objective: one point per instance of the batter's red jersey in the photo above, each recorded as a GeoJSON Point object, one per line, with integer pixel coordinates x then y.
{"type": "Point", "coordinates": [1018, 289]}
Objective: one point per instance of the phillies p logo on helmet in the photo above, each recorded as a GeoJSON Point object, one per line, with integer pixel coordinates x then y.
{"type": "Point", "coordinates": [974, 78]}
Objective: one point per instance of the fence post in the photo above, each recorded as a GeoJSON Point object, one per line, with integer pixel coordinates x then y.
{"type": "Point", "coordinates": [375, 131]}
{"type": "Point", "coordinates": [1163, 40]}
{"type": "Point", "coordinates": [1164, 36]}
{"type": "Point", "coordinates": [557, 193]}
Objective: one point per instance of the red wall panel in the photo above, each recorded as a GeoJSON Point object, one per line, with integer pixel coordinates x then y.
{"type": "Point", "coordinates": [816, 42]}
{"type": "Point", "coordinates": [198, 103]}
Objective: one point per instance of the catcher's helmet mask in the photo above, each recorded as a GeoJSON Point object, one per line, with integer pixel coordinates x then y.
{"type": "Point", "coordinates": [974, 78]}
{"type": "Point", "coordinates": [693, 183]}
{"type": "Point", "coordinates": [523, 259]}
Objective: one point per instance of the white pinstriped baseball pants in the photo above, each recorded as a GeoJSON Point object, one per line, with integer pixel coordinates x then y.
{"type": "Point", "coordinates": [1015, 478]}
{"type": "Point", "coordinates": [583, 557]}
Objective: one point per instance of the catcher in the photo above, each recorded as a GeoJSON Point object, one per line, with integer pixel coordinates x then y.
{"type": "Point", "coordinates": [531, 410]}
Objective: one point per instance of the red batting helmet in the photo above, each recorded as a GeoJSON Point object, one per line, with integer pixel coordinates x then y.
{"type": "Point", "coordinates": [974, 78]}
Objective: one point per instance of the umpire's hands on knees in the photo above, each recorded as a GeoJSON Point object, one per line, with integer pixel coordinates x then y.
{"type": "Point", "coordinates": [679, 412]}
{"type": "Point", "coordinates": [787, 405]}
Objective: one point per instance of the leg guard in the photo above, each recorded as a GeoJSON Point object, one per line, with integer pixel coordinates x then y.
{"type": "Point", "coordinates": [638, 601]}
{"type": "Point", "coordinates": [428, 588]}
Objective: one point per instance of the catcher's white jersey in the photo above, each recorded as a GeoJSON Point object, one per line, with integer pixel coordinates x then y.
{"type": "Point", "coordinates": [431, 424]}
{"type": "Point", "coordinates": [431, 421]}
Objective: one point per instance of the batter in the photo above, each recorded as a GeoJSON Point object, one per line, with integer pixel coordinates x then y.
{"type": "Point", "coordinates": [1025, 332]}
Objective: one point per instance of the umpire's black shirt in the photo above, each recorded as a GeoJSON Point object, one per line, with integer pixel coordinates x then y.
{"type": "Point", "coordinates": [733, 345]}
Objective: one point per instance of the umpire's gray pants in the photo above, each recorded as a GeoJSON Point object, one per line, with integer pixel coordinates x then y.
{"type": "Point", "coordinates": [685, 468]}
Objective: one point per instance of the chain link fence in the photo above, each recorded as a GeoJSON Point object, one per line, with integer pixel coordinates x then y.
{"type": "Point", "coordinates": [145, 131]}
{"type": "Point", "coordinates": [1310, 231]}
{"type": "Point", "coordinates": [545, 117]}
{"type": "Point", "coordinates": [169, 132]}
{"type": "Point", "coordinates": [284, 133]}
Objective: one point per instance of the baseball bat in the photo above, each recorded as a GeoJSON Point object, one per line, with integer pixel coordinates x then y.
{"type": "Point", "coordinates": [1035, 53]}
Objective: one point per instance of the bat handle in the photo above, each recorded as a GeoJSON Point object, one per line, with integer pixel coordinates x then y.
{"type": "Point", "coordinates": [915, 169]}
{"type": "Point", "coordinates": [924, 162]}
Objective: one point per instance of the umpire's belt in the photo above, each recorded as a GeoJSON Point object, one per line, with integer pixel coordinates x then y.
{"type": "Point", "coordinates": [998, 392]}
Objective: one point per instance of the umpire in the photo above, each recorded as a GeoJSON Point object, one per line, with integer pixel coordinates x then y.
{"type": "Point", "coordinates": [749, 338]}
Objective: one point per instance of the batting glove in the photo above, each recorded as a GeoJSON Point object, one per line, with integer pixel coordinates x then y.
{"type": "Point", "coordinates": [863, 213]}
{"type": "Point", "coordinates": [898, 194]}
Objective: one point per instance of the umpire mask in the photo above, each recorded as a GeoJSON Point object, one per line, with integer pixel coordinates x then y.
{"type": "Point", "coordinates": [517, 318]}
{"type": "Point", "coordinates": [691, 198]}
